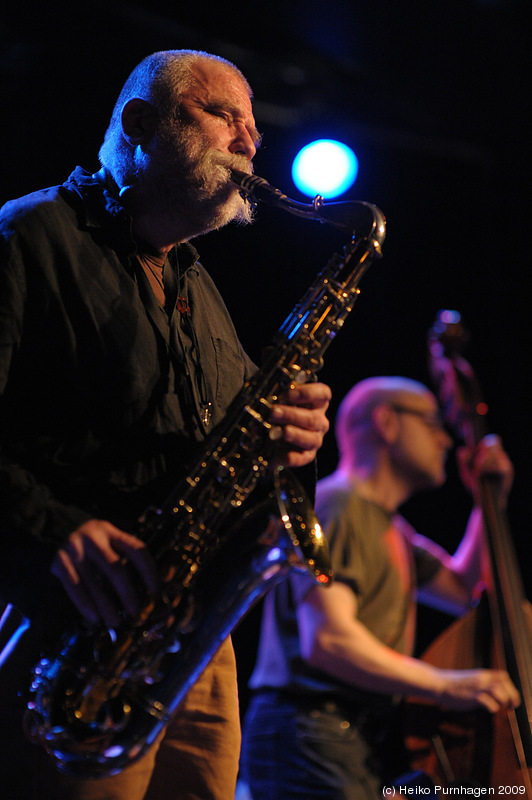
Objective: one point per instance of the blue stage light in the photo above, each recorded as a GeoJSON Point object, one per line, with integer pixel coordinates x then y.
{"type": "Point", "coordinates": [324, 167]}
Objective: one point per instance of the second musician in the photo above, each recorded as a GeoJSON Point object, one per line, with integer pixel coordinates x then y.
{"type": "Point", "coordinates": [332, 664]}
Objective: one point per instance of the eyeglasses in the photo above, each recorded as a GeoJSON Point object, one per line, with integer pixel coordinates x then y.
{"type": "Point", "coordinates": [432, 419]}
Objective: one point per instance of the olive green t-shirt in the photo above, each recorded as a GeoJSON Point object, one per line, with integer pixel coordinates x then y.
{"type": "Point", "coordinates": [374, 553]}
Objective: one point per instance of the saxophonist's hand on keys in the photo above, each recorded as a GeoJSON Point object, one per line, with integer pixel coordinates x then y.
{"type": "Point", "coordinates": [99, 567]}
{"type": "Point", "coordinates": [302, 416]}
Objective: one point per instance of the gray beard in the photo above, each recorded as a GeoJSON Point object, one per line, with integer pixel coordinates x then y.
{"type": "Point", "coordinates": [184, 179]}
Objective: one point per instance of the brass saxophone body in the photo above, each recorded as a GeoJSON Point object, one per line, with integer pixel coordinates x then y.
{"type": "Point", "coordinates": [100, 701]}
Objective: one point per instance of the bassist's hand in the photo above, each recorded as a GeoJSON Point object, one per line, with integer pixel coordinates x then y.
{"type": "Point", "coordinates": [486, 688]}
{"type": "Point", "coordinates": [489, 459]}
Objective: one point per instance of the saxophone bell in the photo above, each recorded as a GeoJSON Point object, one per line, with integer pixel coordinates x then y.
{"type": "Point", "coordinates": [302, 526]}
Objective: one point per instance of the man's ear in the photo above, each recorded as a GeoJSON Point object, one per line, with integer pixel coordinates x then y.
{"type": "Point", "coordinates": [385, 422]}
{"type": "Point", "coordinates": [139, 120]}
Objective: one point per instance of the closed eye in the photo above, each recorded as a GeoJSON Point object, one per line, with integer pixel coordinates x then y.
{"type": "Point", "coordinates": [229, 118]}
{"type": "Point", "coordinates": [216, 112]}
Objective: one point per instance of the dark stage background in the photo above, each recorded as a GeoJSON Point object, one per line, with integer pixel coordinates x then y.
{"type": "Point", "coordinates": [435, 100]}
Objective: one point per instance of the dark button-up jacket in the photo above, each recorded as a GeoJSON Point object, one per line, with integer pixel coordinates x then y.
{"type": "Point", "coordinates": [99, 386]}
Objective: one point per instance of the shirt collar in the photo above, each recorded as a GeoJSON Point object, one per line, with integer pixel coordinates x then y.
{"type": "Point", "coordinates": [101, 208]}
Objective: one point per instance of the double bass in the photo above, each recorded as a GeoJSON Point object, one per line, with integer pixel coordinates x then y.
{"type": "Point", "coordinates": [477, 749]}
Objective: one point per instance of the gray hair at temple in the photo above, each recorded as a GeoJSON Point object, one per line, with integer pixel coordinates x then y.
{"type": "Point", "coordinates": [160, 79]}
{"type": "Point", "coordinates": [354, 429]}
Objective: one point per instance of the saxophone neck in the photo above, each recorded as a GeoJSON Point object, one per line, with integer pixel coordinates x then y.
{"type": "Point", "coordinates": [357, 218]}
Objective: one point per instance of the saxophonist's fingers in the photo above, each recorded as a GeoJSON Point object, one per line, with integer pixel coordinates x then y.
{"type": "Point", "coordinates": [63, 569]}
{"type": "Point", "coordinates": [304, 407]}
{"type": "Point", "coordinates": [134, 551]}
{"type": "Point", "coordinates": [308, 395]}
{"type": "Point", "coordinates": [94, 566]}
{"type": "Point", "coordinates": [301, 416]}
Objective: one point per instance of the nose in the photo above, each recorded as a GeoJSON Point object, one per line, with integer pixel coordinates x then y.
{"type": "Point", "coordinates": [243, 143]}
{"type": "Point", "coordinates": [446, 440]}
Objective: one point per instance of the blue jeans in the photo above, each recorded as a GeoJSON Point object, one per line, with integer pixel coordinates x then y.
{"type": "Point", "coordinates": [297, 751]}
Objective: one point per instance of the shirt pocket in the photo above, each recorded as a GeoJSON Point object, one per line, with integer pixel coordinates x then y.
{"type": "Point", "coordinates": [230, 372]}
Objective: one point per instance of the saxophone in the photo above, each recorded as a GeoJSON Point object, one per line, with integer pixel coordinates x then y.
{"type": "Point", "coordinates": [102, 700]}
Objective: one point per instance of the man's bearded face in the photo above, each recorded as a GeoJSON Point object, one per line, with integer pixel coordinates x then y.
{"type": "Point", "coordinates": [186, 174]}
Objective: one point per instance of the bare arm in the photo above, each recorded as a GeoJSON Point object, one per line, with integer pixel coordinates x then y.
{"type": "Point", "coordinates": [464, 573]}
{"type": "Point", "coordinates": [335, 641]}
{"type": "Point", "coordinates": [459, 579]}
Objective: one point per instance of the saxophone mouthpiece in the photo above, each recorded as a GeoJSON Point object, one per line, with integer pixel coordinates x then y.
{"type": "Point", "coordinates": [255, 188]}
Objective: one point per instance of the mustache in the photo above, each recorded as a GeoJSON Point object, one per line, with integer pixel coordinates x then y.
{"type": "Point", "coordinates": [232, 162]}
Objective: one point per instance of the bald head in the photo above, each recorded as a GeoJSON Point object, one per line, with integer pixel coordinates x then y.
{"type": "Point", "coordinates": [160, 79]}
{"type": "Point", "coordinates": [355, 431]}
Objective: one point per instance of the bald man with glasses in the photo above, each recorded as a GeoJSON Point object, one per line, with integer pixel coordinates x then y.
{"type": "Point", "coordinates": [333, 663]}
